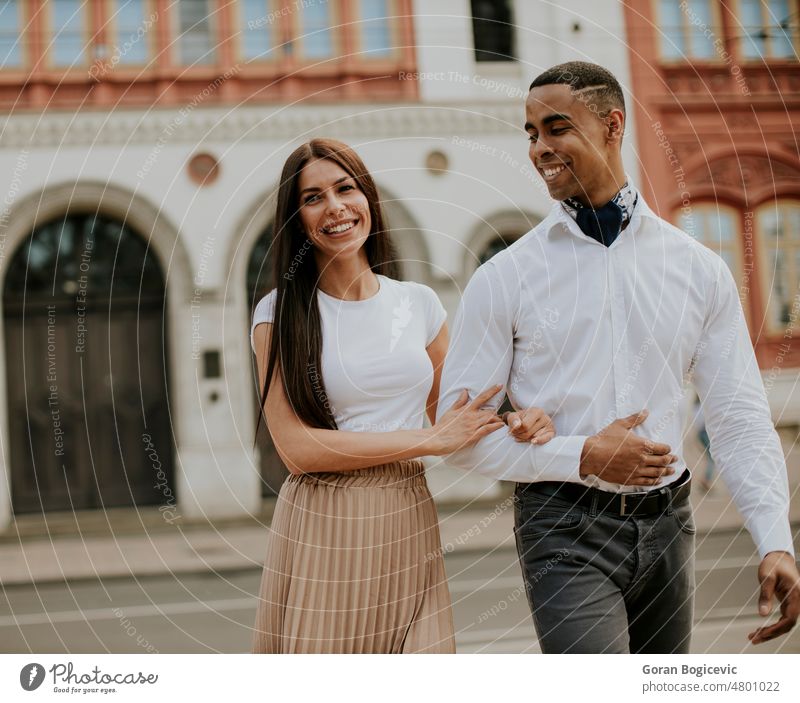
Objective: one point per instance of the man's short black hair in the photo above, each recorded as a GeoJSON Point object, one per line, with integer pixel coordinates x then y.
{"type": "Point", "coordinates": [593, 85]}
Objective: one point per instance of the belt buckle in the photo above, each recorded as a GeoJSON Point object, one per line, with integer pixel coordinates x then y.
{"type": "Point", "coordinates": [622, 506]}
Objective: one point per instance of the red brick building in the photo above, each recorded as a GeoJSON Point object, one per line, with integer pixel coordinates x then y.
{"type": "Point", "coordinates": [715, 94]}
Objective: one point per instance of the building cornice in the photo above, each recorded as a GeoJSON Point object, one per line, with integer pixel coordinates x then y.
{"type": "Point", "coordinates": [208, 124]}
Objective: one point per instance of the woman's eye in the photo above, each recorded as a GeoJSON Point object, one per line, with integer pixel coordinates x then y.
{"type": "Point", "coordinates": [346, 187]}
{"type": "Point", "coordinates": [311, 199]}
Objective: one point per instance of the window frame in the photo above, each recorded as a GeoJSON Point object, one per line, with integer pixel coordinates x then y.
{"type": "Point", "coordinates": [767, 275]}
{"type": "Point", "coordinates": [741, 38]}
{"type": "Point", "coordinates": [514, 56]}
{"type": "Point", "coordinates": [114, 41]}
{"type": "Point", "coordinates": [717, 24]}
{"type": "Point", "coordinates": [736, 247]}
{"type": "Point", "coordinates": [50, 36]}
{"type": "Point", "coordinates": [21, 41]}
{"type": "Point", "coordinates": [177, 35]}
{"type": "Point", "coordinates": [275, 28]}
{"type": "Point", "coordinates": [394, 34]}
{"type": "Point", "coordinates": [338, 28]}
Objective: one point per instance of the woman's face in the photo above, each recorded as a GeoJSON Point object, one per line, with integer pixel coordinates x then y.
{"type": "Point", "coordinates": [334, 212]}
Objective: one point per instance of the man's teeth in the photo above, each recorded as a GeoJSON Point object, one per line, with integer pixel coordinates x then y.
{"type": "Point", "coordinates": [554, 171]}
{"type": "Point", "coordinates": [339, 228]}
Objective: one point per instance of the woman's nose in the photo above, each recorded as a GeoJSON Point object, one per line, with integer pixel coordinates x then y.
{"type": "Point", "coordinates": [334, 204]}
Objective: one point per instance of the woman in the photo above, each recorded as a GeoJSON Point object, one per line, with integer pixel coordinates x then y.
{"type": "Point", "coordinates": [353, 357]}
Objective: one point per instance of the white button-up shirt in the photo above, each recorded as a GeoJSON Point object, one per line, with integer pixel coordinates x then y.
{"type": "Point", "coordinates": [591, 333]}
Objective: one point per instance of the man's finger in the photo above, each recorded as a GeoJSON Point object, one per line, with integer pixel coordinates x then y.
{"type": "Point", "coordinates": [658, 448]}
{"type": "Point", "coordinates": [765, 597]}
{"type": "Point", "coordinates": [661, 460]}
{"type": "Point", "coordinates": [653, 471]}
{"type": "Point", "coordinates": [769, 632]}
{"type": "Point", "coordinates": [636, 419]}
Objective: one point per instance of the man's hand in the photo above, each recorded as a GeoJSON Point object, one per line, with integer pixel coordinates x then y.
{"type": "Point", "coordinates": [617, 455]}
{"type": "Point", "coordinates": [532, 425]}
{"type": "Point", "coordinates": [778, 576]}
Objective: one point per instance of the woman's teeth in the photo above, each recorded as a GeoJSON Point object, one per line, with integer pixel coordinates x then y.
{"type": "Point", "coordinates": [338, 229]}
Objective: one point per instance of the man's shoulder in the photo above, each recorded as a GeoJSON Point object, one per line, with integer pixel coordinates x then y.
{"type": "Point", "coordinates": [526, 246]}
{"type": "Point", "coordinates": [687, 241]}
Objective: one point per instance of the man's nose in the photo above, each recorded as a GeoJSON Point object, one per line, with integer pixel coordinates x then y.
{"type": "Point", "coordinates": [541, 148]}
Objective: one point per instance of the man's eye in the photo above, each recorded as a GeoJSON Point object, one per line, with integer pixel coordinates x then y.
{"type": "Point", "coordinates": [532, 138]}
{"type": "Point", "coordinates": [558, 130]}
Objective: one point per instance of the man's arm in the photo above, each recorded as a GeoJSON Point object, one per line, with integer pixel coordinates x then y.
{"type": "Point", "coordinates": [744, 443]}
{"type": "Point", "coordinates": [480, 356]}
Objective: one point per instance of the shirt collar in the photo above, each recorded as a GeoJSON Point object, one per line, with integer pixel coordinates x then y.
{"type": "Point", "coordinates": [558, 216]}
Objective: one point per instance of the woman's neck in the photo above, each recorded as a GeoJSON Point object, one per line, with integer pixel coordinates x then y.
{"type": "Point", "coordinates": [347, 278]}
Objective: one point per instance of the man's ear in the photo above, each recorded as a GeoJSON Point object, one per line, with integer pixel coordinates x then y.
{"type": "Point", "coordinates": [615, 125]}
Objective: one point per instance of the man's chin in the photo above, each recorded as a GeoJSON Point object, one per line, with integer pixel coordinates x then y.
{"type": "Point", "coordinates": [561, 193]}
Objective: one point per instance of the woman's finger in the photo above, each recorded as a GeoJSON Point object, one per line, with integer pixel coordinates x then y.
{"type": "Point", "coordinates": [531, 427]}
{"type": "Point", "coordinates": [461, 401]}
{"type": "Point", "coordinates": [490, 427]}
{"type": "Point", "coordinates": [486, 396]}
{"type": "Point", "coordinates": [542, 437]}
{"type": "Point", "coordinates": [514, 421]}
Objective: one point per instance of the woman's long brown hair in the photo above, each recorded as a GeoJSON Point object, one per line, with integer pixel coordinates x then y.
{"type": "Point", "coordinates": [297, 328]}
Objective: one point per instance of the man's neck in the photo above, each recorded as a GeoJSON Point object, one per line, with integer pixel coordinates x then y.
{"type": "Point", "coordinates": [601, 196]}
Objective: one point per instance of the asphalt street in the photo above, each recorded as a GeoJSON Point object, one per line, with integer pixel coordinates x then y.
{"type": "Point", "coordinates": [214, 612]}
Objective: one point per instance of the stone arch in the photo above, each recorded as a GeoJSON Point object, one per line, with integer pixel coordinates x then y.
{"type": "Point", "coordinates": [508, 225]}
{"type": "Point", "coordinates": [146, 220]}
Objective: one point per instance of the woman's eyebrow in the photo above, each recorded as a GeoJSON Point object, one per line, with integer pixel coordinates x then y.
{"type": "Point", "coordinates": [336, 182]}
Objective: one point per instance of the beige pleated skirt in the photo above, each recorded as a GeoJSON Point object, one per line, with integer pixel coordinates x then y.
{"type": "Point", "coordinates": [354, 565]}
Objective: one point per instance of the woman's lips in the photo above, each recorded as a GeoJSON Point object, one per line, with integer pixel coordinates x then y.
{"type": "Point", "coordinates": [340, 229]}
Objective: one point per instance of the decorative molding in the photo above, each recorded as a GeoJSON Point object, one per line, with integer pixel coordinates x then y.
{"type": "Point", "coordinates": [258, 123]}
{"type": "Point", "coordinates": [746, 171]}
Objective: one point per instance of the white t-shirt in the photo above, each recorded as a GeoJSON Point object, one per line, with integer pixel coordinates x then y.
{"type": "Point", "coordinates": [377, 374]}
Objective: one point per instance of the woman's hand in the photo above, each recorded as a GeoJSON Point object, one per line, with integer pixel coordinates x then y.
{"type": "Point", "coordinates": [465, 423]}
{"type": "Point", "coordinates": [532, 425]}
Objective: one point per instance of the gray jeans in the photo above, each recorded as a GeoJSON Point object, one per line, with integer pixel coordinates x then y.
{"type": "Point", "coordinates": [597, 582]}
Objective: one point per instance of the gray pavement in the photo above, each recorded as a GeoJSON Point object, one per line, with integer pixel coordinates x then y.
{"type": "Point", "coordinates": [214, 612]}
{"type": "Point", "coordinates": [85, 582]}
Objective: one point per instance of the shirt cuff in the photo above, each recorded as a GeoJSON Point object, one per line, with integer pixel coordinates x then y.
{"type": "Point", "coordinates": [771, 533]}
{"type": "Point", "coordinates": [559, 459]}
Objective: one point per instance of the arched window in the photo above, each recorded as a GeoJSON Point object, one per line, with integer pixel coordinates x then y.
{"type": "Point", "coordinates": [778, 226]}
{"type": "Point", "coordinates": [719, 228]}
{"type": "Point", "coordinates": [495, 246]}
{"type": "Point", "coordinates": [85, 350]}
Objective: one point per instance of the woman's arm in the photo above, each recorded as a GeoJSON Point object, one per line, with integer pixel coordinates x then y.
{"type": "Point", "coordinates": [437, 350]}
{"type": "Point", "coordinates": [306, 449]}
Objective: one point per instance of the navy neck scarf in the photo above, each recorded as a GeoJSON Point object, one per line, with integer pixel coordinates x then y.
{"type": "Point", "coordinates": [604, 223]}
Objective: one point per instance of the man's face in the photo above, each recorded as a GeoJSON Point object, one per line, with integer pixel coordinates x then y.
{"type": "Point", "coordinates": [569, 142]}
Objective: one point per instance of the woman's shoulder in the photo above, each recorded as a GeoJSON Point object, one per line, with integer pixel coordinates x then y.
{"type": "Point", "coordinates": [265, 308]}
{"type": "Point", "coordinates": [418, 290]}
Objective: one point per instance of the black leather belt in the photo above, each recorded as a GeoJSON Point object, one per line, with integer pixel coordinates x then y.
{"type": "Point", "coordinates": [621, 504]}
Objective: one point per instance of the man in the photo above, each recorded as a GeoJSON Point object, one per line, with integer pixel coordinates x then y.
{"type": "Point", "coordinates": [602, 310]}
